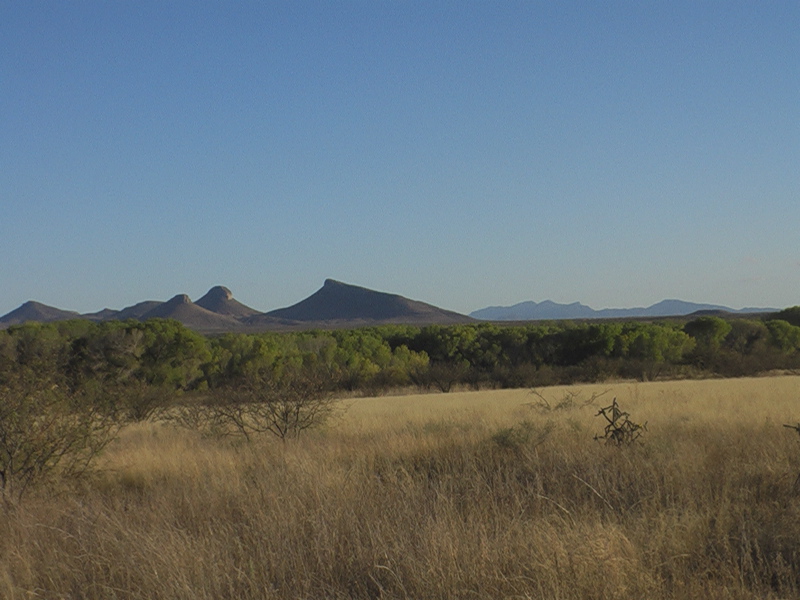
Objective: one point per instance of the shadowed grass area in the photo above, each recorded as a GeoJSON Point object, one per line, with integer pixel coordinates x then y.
{"type": "Point", "coordinates": [465, 495]}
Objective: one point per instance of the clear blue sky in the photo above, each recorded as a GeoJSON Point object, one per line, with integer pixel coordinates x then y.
{"type": "Point", "coordinates": [463, 153]}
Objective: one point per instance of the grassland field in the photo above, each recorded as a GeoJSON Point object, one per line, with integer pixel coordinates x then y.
{"type": "Point", "coordinates": [487, 494]}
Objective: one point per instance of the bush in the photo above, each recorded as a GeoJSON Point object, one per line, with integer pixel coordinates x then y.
{"type": "Point", "coordinates": [620, 430]}
{"type": "Point", "coordinates": [445, 374]}
{"type": "Point", "coordinates": [263, 403]}
{"type": "Point", "coordinates": [47, 431]}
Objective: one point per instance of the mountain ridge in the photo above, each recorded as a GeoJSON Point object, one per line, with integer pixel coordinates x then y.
{"type": "Point", "coordinates": [181, 308]}
{"type": "Point", "coordinates": [335, 305]}
{"type": "Point", "coordinates": [339, 305]}
{"type": "Point", "coordinates": [549, 310]}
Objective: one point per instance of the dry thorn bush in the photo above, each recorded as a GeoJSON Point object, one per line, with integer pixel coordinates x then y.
{"type": "Point", "coordinates": [262, 403]}
{"type": "Point", "coordinates": [620, 430]}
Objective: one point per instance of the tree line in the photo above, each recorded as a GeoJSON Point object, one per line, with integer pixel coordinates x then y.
{"type": "Point", "coordinates": [160, 358]}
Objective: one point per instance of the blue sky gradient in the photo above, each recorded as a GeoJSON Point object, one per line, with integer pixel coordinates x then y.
{"type": "Point", "coordinates": [462, 153]}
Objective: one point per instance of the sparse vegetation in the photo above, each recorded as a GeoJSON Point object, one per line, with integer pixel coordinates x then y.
{"type": "Point", "coordinates": [48, 433]}
{"type": "Point", "coordinates": [620, 429]}
{"type": "Point", "coordinates": [437, 496]}
{"type": "Point", "coordinates": [284, 405]}
{"type": "Point", "coordinates": [570, 399]}
{"type": "Point", "coordinates": [482, 499]}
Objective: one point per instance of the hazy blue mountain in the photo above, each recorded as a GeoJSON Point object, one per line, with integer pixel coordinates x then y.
{"type": "Point", "coordinates": [548, 310]}
{"type": "Point", "coordinates": [529, 311]}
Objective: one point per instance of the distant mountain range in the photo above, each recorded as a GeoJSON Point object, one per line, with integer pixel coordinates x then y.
{"type": "Point", "coordinates": [336, 304]}
{"type": "Point", "coordinates": [339, 304]}
{"type": "Point", "coordinates": [549, 310]}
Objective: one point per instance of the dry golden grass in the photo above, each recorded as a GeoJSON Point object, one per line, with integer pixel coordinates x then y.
{"type": "Point", "coordinates": [464, 495]}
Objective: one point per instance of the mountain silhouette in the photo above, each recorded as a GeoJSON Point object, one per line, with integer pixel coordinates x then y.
{"type": "Point", "coordinates": [182, 309]}
{"type": "Point", "coordinates": [138, 310]}
{"type": "Point", "coordinates": [527, 311]}
{"type": "Point", "coordinates": [219, 299]}
{"type": "Point", "coordinates": [131, 312]}
{"type": "Point", "coordinates": [547, 310]}
{"type": "Point", "coordinates": [341, 302]}
{"type": "Point", "coordinates": [36, 311]}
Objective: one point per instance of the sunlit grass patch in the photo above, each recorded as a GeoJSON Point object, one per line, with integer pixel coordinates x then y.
{"type": "Point", "coordinates": [467, 494]}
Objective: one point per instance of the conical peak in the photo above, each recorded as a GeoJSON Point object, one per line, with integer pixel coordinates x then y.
{"type": "Point", "coordinates": [336, 285]}
{"type": "Point", "coordinates": [180, 299]}
{"type": "Point", "coordinates": [219, 292]}
{"type": "Point", "coordinates": [219, 299]}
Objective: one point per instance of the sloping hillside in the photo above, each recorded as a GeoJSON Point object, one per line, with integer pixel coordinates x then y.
{"type": "Point", "coordinates": [182, 309]}
{"type": "Point", "coordinates": [36, 311]}
{"type": "Point", "coordinates": [220, 300]}
{"type": "Point", "coordinates": [338, 302]}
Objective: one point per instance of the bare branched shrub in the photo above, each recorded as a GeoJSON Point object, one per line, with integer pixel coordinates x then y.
{"type": "Point", "coordinates": [140, 402]}
{"type": "Point", "coordinates": [444, 375]}
{"type": "Point", "coordinates": [48, 431]}
{"type": "Point", "coordinates": [619, 429]}
{"type": "Point", "coordinates": [284, 406]}
{"type": "Point", "coordinates": [198, 414]}
{"type": "Point", "coordinates": [570, 400]}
